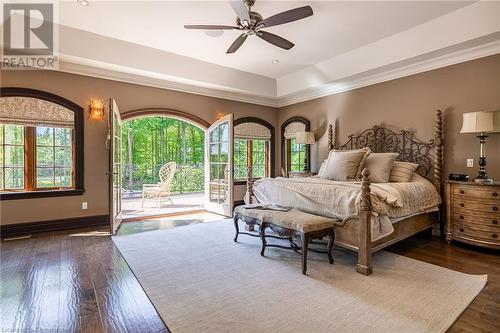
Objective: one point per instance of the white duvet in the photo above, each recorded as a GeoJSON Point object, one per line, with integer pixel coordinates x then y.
{"type": "Point", "coordinates": [341, 199]}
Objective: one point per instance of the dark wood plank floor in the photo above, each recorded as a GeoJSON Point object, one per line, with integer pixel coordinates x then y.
{"type": "Point", "coordinates": [77, 281]}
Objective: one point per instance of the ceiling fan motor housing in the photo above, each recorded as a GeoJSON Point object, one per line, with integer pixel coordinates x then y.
{"type": "Point", "coordinates": [255, 19]}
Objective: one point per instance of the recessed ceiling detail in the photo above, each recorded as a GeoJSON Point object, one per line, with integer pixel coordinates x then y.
{"type": "Point", "coordinates": [344, 45]}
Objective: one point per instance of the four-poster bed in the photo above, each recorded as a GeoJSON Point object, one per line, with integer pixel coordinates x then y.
{"type": "Point", "coordinates": [354, 233]}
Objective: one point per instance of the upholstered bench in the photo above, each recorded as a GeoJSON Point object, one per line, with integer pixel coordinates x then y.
{"type": "Point", "coordinates": [288, 225]}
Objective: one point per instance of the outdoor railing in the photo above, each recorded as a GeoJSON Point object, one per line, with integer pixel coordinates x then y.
{"type": "Point", "coordinates": [188, 178]}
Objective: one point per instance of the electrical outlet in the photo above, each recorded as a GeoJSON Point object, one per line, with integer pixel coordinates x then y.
{"type": "Point", "coordinates": [85, 205]}
{"type": "Point", "coordinates": [470, 162]}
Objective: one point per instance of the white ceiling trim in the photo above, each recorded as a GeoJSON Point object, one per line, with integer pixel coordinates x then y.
{"type": "Point", "coordinates": [87, 67]}
{"type": "Point", "coordinates": [392, 74]}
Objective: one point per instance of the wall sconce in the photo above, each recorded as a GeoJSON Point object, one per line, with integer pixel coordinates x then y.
{"type": "Point", "coordinates": [96, 110]}
{"type": "Point", "coordinates": [219, 115]}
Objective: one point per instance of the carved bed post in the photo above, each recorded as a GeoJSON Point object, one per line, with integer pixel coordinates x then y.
{"type": "Point", "coordinates": [438, 150]}
{"type": "Point", "coordinates": [332, 128]}
{"type": "Point", "coordinates": [438, 164]}
{"type": "Point", "coordinates": [248, 199]}
{"type": "Point", "coordinates": [364, 265]}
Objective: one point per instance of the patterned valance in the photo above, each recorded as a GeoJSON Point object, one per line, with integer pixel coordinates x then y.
{"type": "Point", "coordinates": [292, 128]}
{"type": "Point", "coordinates": [31, 111]}
{"type": "Point", "coordinates": [252, 131]}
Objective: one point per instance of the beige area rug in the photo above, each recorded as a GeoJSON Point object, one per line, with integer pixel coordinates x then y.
{"type": "Point", "coordinates": [199, 280]}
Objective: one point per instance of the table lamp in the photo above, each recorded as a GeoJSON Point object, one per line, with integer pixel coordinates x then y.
{"type": "Point", "coordinates": [305, 138]}
{"type": "Point", "coordinates": [482, 123]}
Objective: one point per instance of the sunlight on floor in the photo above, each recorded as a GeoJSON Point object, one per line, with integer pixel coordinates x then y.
{"type": "Point", "coordinates": [127, 228]}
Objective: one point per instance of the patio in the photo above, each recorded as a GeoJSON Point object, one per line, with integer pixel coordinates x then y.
{"type": "Point", "coordinates": [186, 202]}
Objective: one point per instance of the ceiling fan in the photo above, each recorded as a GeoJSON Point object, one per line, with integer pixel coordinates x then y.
{"type": "Point", "coordinates": [251, 23]}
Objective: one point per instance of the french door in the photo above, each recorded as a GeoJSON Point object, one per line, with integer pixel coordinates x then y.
{"type": "Point", "coordinates": [219, 167]}
{"type": "Point", "coordinates": [115, 166]}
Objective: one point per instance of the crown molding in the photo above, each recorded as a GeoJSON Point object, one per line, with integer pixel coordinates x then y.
{"type": "Point", "coordinates": [390, 74]}
{"type": "Point", "coordinates": [80, 66]}
{"type": "Point", "coordinates": [70, 64]}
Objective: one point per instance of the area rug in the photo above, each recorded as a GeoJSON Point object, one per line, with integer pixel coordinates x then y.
{"type": "Point", "coordinates": [199, 280]}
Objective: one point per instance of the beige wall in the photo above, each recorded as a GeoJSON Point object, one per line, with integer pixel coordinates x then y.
{"type": "Point", "coordinates": [80, 89]}
{"type": "Point", "coordinates": [405, 103]}
{"type": "Point", "coordinates": [410, 103]}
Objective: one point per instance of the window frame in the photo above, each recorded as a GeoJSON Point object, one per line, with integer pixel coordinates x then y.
{"type": "Point", "coordinates": [78, 141]}
{"type": "Point", "coordinates": [285, 153]}
{"type": "Point", "coordinates": [271, 144]}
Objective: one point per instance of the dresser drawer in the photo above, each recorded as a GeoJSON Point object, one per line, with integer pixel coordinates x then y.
{"type": "Point", "coordinates": [476, 193]}
{"type": "Point", "coordinates": [488, 207]}
{"type": "Point", "coordinates": [477, 220]}
{"type": "Point", "coordinates": [466, 231]}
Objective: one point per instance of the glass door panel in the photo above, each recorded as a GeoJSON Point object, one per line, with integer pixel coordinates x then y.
{"type": "Point", "coordinates": [219, 167]}
{"type": "Point", "coordinates": [115, 166]}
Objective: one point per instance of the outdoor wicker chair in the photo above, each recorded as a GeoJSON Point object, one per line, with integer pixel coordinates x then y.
{"type": "Point", "coordinates": [162, 189]}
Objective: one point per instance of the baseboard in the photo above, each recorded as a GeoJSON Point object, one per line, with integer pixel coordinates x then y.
{"type": "Point", "coordinates": [53, 225]}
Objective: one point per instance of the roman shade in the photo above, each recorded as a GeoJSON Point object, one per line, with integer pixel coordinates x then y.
{"type": "Point", "coordinates": [29, 111]}
{"type": "Point", "coordinates": [292, 129]}
{"type": "Point", "coordinates": [251, 130]}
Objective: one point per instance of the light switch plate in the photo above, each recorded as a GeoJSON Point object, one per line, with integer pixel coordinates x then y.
{"type": "Point", "coordinates": [85, 205]}
{"type": "Point", "coordinates": [470, 162]}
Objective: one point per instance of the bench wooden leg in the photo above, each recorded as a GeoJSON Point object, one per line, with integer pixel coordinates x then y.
{"type": "Point", "coordinates": [305, 246]}
{"type": "Point", "coordinates": [236, 227]}
{"type": "Point", "coordinates": [263, 238]}
{"type": "Point", "coordinates": [331, 239]}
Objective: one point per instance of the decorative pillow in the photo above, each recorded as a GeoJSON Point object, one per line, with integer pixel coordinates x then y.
{"type": "Point", "coordinates": [343, 165]}
{"type": "Point", "coordinates": [322, 168]}
{"type": "Point", "coordinates": [361, 165]}
{"type": "Point", "coordinates": [402, 172]}
{"type": "Point", "coordinates": [380, 166]}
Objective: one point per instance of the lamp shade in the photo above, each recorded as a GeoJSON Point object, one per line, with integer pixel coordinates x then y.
{"type": "Point", "coordinates": [480, 122]}
{"type": "Point", "coordinates": [305, 138]}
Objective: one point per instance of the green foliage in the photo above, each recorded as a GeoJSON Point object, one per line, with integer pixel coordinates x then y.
{"type": "Point", "coordinates": [150, 142]}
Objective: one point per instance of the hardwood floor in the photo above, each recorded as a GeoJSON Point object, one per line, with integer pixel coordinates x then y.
{"type": "Point", "coordinates": [77, 281]}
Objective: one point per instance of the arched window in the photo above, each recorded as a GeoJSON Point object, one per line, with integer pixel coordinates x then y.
{"type": "Point", "coordinates": [41, 145]}
{"type": "Point", "coordinates": [294, 157]}
{"type": "Point", "coordinates": [253, 145]}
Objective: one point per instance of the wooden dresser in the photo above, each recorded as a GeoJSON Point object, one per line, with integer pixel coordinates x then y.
{"type": "Point", "coordinates": [473, 213]}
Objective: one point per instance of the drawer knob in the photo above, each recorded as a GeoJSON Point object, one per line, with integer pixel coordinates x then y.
{"type": "Point", "coordinates": [461, 229]}
{"type": "Point", "coordinates": [495, 208]}
{"type": "Point", "coordinates": [494, 221]}
{"type": "Point", "coordinates": [461, 217]}
{"type": "Point", "coordinates": [462, 204]}
{"type": "Point", "coordinates": [494, 236]}
{"type": "Point", "coordinates": [495, 194]}
{"type": "Point", "coordinates": [462, 192]}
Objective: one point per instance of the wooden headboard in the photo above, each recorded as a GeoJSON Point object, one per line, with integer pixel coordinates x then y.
{"type": "Point", "coordinates": [428, 155]}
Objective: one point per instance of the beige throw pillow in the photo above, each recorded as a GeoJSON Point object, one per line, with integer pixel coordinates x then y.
{"type": "Point", "coordinates": [402, 172]}
{"type": "Point", "coordinates": [343, 165]}
{"type": "Point", "coordinates": [380, 166]}
{"type": "Point", "coordinates": [322, 168]}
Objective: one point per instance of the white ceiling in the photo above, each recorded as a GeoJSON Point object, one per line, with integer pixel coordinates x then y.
{"type": "Point", "coordinates": [335, 28]}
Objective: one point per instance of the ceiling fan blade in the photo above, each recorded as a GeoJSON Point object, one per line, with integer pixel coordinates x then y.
{"type": "Point", "coordinates": [287, 16]}
{"type": "Point", "coordinates": [210, 27]}
{"type": "Point", "coordinates": [237, 43]}
{"type": "Point", "coordinates": [275, 40]}
{"type": "Point", "coordinates": [240, 9]}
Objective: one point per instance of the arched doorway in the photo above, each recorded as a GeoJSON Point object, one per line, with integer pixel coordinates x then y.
{"type": "Point", "coordinates": [151, 139]}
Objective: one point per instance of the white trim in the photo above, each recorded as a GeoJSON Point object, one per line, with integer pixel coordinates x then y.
{"type": "Point", "coordinates": [75, 65]}
{"type": "Point", "coordinates": [124, 74]}
{"type": "Point", "coordinates": [403, 71]}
